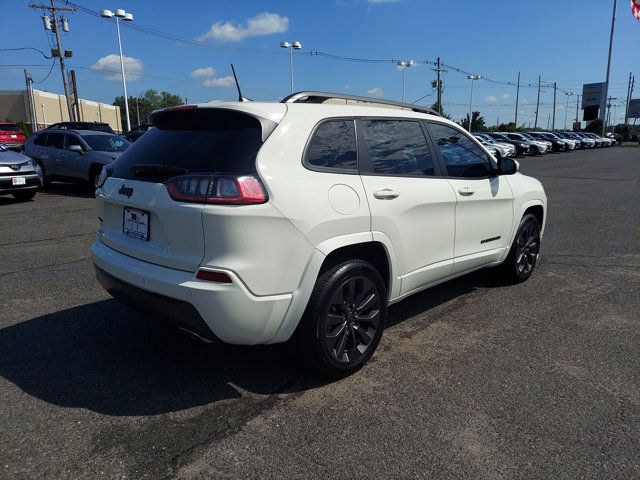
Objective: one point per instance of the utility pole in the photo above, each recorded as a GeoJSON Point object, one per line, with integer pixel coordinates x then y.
{"type": "Point", "coordinates": [76, 99]}
{"type": "Point", "coordinates": [555, 88]}
{"type": "Point", "coordinates": [517, 97]}
{"type": "Point", "coordinates": [439, 84]}
{"type": "Point", "coordinates": [55, 26]}
{"type": "Point", "coordinates": [32, 107]}
{"type": "Point", "coordinates": [632, 80]}
{"type": "Point", "coordinates": [606, 83]}
{"type": "Point", "coordinates": [548, 120]}
{"type": "Point", "coordinates": [535, 123]}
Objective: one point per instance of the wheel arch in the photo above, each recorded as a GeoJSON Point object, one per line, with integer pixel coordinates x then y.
{"type": "Point", "coordinates": [362, 246]}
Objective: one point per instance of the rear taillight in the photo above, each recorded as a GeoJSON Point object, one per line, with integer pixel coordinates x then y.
{"type": "Point", "coordinates": [230, 190]}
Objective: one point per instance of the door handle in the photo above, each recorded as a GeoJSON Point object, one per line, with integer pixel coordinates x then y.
{"type": "Point", "coordinates": [466, 191]}
{"type": "Point", "coordinates": [386, 194]}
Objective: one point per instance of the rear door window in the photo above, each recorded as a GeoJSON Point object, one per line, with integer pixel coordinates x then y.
{"type": "Point", "coordinates": [55, 140]}
{"type": "Point", "coordinates": [397, 147]}
{"type": "Point", "coordinates": [204, 140]}
{"type": "Point", "coordinates": [333, 146]}
{"type": "Point", "coordinates": [41, 140]}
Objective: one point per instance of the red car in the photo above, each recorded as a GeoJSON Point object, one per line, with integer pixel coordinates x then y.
{"type": "Point", "coordinates": [11, 136]}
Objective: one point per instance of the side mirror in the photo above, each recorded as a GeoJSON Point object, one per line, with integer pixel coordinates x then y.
{"type": "Point", "coordinates": [76, 148]}
{"type": "Point", "coordinates": [507, 166]}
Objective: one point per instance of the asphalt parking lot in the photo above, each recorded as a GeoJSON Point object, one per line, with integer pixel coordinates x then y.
{"type": "Point", "coordinates": [473, 379]}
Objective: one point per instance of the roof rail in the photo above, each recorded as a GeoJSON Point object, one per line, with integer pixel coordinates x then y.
{"type": "Point", "coordinates": [322, 97]}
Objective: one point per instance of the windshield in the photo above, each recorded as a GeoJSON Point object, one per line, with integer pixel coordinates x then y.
{"type": "Point", "coordinates": [106, 143]}
{"type": "Point", "coordinates": [552, 135]}
{"type": "Point", "coordinates": [9, 127]}
{"type": "Point", "coordinates": [527, 136]}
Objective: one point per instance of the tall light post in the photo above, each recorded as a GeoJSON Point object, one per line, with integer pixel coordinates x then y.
{"type": "Point", "coordinates": [404, 64]}
{"type": "Point", "coordinates": [566, 110]}
{"type": "Point", "coordinates": [291, 45]}
{"type": "Point", "coordinates": [127, 17]}
{"type": "Point", "coordinates": [472, 78]}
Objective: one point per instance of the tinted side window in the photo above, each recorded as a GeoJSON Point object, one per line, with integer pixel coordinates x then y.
{"type": "Point", "coordinates": [55, 140]}
{"type": "Point", "coordinates": [73, 140]}
{"type": "Point", "coordinates": [462, 156]}
{"type": "Point", "coordinates": [41, 139]}
{"type": "Point", "coordinates": [333, 146]}
{"type": "Point", "coordinates": [397, 147]}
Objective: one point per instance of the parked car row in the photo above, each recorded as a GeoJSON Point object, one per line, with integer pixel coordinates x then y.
{"type": "Point", "coordinates": [503, 144]}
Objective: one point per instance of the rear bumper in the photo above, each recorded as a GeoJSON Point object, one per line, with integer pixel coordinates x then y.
{"type": "Point", "coordinates": [180, 313]}
{"type": "Point", "coordinates": [228, 312]}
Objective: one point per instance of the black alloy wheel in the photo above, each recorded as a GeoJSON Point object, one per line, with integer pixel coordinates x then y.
{"type": "Point", "coordinates": [344, 320]}
{"type": "Point", "coordinates": [523, 255]}
{"type": "Point", "coordinates": [352, 320]}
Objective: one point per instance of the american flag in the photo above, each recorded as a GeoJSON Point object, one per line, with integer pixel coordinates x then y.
{"type": "Point", "coordinates": [635, 9]}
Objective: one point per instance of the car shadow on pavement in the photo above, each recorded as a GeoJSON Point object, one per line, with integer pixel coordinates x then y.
{"type": "Point", "coordinates": [67, 190]}
{"type": "Point", "coordinates": [108, 359]}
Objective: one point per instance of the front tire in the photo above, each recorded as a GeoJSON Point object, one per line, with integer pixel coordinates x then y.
{"type": "Point", "coordinates": [523, 255]}
{"type": "Point", "coordinates": [344, 320]}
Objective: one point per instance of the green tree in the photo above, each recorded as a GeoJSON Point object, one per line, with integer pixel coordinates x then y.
{"type": "Point", "coordinates": [477, 122]}
{"type": "Point", "coordinates": [595, 126]}
{"type": "Point", "coordinates": [435, 107]}
{"type": "Point", "coordinates": [141, 107]}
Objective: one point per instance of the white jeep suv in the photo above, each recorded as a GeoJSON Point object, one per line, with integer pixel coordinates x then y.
{"type": "Point", "coordinates": [257, 223]}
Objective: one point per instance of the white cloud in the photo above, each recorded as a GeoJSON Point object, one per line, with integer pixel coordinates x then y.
{"type": "Point", "coordinates": [347, 86]}
{"type": "Point", "coordinates": [375, 92]}
{"type": "Point", "coordinates": [111, 67]}
{"type": "Point", "coordinates": [262, 24]}
{"type": "Point", "coordinates": [219, 82]}
{"type": "Point", "coordinates": [506, 95]}
{"type": "Point", "coordinates": [490, 98]}
{"type": "Point", "coordinates": [383, 1]}
{"type": "Point", "coordinates": [203, 72]}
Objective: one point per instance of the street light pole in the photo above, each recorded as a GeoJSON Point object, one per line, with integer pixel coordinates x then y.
{"type": "Point", "coordinates": [404, 64]}
{"type": "Point", "coordinates": [127, 17]}
{"type": "Point", "coordinates": [566, 110]}
{"type": "Point", "coordinates": [291, 45]}
{"type": "Point", "coordinates": [472, 78]}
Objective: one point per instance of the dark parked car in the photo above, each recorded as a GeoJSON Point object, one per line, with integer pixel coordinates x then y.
{"type": "Point", "coordinates": [74, 155]}
{"type": "Point", "coordinates": [11, 136]}
{"type": "Point", "coordinates": [136, 132]}
{"type": "Point", "coordinates": [19, 175]}
{"type": "Point", "coordinates": [96, 126]}
{"type": "Point", "coordinates": [559, 145]}
{"type": "Point", "coordinates": [522, 147]}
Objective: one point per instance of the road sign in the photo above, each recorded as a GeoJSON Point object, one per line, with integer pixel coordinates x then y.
{"type": "Point", "coordinates": [634, 108]}
{"type": "Point", "coordinates": [592, 94]}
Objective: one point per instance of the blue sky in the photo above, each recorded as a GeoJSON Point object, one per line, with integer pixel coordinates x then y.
{"type": "Point", "coordinates": [563, 40]}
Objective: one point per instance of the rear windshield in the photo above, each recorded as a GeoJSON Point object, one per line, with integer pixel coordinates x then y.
{"type": "Point", "coordinates": [203, 140]}
{"type": "Point", "coordinates": [9, 127]}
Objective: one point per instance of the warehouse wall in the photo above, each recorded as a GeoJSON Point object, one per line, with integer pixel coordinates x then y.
{"type": "Point", "coordinates": [52, 108]}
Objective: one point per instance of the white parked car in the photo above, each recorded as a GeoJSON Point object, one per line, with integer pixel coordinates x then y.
{"type": "Point", "coordinates": [258, 223]}
{"type": "Point", "coordinates": [507, 149]}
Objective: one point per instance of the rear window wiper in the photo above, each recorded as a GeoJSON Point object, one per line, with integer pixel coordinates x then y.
{"type": "Point", "coordinates": [153, 169]}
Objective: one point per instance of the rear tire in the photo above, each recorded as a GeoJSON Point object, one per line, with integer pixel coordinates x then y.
{"type": "Point", "coordinates": [24, 196]}
{"type": "Point", "coordinates": [523, 255]}
{"type": "Point", "coordinates": [344, 320]}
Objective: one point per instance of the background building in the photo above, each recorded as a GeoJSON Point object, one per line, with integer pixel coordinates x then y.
{"type": "Point", "coordinates": [47, 108]}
